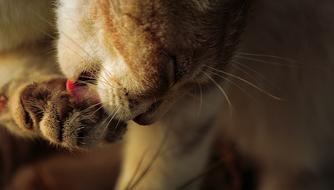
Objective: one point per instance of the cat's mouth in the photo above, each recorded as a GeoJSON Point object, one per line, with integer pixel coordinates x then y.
{"type": "Point", "coordinates": [87, 99]}
{"type": "Point", "coordinates": [149, 116]}
{"type": "Point", "coordinates": [83, 92]}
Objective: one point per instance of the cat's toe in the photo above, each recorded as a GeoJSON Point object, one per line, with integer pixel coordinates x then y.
{"type": "Point", "coordinates": [52, 123]}
{"type": "Point", "coordinates": [87, 127]}
{"type": "Point", "coordinates": [48, 110]}
{"type": "Point", "coordinates": [34, 100]}
{"type": "Point", "coordinates": [78, 124]}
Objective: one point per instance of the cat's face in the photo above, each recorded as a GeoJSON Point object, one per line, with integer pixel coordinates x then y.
{"type": "Point", "coordinates": [144, 54]}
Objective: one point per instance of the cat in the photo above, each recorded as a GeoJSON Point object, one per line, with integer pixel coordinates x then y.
{"type": "Point", "coordinates": [176, 67]}
{"type": "Point", "coordinates": [142, 89]}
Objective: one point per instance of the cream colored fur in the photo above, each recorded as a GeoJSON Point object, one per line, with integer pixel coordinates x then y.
{"type": "Point", "coordinates": [175, 148]}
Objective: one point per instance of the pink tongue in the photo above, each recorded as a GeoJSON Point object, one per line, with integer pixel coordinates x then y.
{"type": "Point", "coordinates": [69, 86]}
{"type": "Point", "coordinates": [82, 93]}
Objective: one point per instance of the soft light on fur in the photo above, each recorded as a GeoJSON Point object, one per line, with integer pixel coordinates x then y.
{"type": "Point", "coordinates": [175, 66]}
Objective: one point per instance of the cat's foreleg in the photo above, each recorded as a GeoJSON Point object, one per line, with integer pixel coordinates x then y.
{"type": "Point", "coordinates": [18, 69]}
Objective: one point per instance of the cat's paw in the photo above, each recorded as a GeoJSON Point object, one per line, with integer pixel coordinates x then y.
{"type": "Point", "coordinates": [48, 110]}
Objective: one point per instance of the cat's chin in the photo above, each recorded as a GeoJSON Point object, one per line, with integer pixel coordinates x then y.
{"type": "Point", "coordinates": [150, 116]}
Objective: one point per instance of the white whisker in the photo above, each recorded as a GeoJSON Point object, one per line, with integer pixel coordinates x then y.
{"type": "Point", "coordinates": [266, 62]}
{"type": "Point", "coordinates": [200, 99]}
{"type": "Point", "coordinates": [221, 89]}
{"type": "Point", "coordinates": [246, 82]}
{"type": "Point", "coordinates": [231, 82]}
{"type": "Point", "coordinates": [265, 55]}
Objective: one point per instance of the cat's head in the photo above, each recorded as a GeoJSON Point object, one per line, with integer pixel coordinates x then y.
{"type": "Point", "coordinates": [144, 54]}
